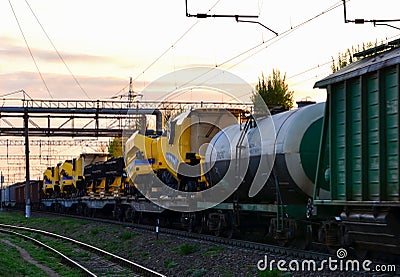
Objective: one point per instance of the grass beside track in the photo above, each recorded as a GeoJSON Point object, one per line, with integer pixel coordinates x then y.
{"type": "Point", "coordinates": [12, 264]}
{"type": "Point", "coordinates": [167, 254]}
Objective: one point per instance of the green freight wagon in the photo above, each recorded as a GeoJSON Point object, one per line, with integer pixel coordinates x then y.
{"type": "Point", "coordinates": [357, 182]}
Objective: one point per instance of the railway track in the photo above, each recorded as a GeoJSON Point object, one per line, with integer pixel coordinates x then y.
{"type": "Point", "coordinates": [92, 261]}
{"type": "Point", "coordinates": [252, 252]}
{"type": "Point", "coordinates": [260, 247]}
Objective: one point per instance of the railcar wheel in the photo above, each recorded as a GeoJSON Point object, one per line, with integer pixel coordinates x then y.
{"type": "Point", "coordinates": [88, 212]}
{"type": "Point", "coordinates": [128, 217]}
{"type": "Point", "coordinates": [229, 233]}
{"type": "Point", "coordinates": [202, 226]}
{"type": "Point", "coordinates": [80, 209]}
{"type": "Point", "coordinates": [229, 228]}
{"type": "Point", "coordinates": [119, 213]}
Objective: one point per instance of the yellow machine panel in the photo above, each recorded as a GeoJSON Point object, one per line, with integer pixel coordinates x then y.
{"type": "Point", "coordinates": [55, 173]}
{"type": "Point", "coordinates": [176, 157]}
{"type": "Point", "coordinates": [66, 179]}
{"type": "Point", "coordinates": [48, 182]}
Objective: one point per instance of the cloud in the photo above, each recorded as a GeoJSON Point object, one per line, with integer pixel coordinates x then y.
{"type": "Point", "coordinates": [11, 49]}
{"type": "Point", "coordinates": [60, 86]}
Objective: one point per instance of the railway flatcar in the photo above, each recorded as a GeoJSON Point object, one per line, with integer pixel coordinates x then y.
{"type": "Point", "coordinates": [357, 184]}
{"type": "Point", "coordinates": [178, 151]}
{"type": "Point", "coordinates": [96, 185]}
{"type": "Point", "coordinates": [106, 178]}
{"type": "Point", "coordinates": [66, 179]}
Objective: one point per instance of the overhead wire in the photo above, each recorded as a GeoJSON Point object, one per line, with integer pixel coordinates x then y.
{"type": "Point", "coordinates": [269, 42]}
{"type": "Point", "coordinates": [56, 50]}
{"type": "Point", "coordinates": [166, 51]}
{"type": "Point", "coordinates": [308, 70]}
{"type": "Point", "coordinates": [174, 44]}
{"type": "Point", "coordinates": [318, 66]}
{"type": "Point", "coordinates": [279, 37]}
{"type": "Point", "coordinates": [29, 49]}
{"type": "Point", "coordinates": [158, 58]}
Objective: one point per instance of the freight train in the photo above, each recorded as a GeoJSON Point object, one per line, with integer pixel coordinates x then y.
{"type": "Point", "coordinates": [331, 174]}
{"type": "Point", "coordinates": [13, 196]}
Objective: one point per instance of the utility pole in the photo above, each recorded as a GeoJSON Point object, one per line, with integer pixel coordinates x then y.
{"type": "Point", "coordinates": [1, 195]}
{"type": "Point", "coordinates": [27, 177]}
{"type": "Point", "coordinates": [130, 93]}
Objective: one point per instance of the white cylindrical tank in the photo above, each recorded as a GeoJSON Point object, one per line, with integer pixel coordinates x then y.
{"type": "Point", "coordinates": [295, 144]}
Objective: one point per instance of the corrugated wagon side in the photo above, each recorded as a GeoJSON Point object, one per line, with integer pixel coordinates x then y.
{"type": "Point", "coordinates": [8, 196]}
{"type": "Point", "coordinates": [36, 194]}
{"type": "Point", "coordinates": [357, 179]}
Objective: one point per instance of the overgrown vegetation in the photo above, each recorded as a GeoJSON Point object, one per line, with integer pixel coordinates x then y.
{"type": "Point", "coordinates": [94, 231]}
{"type": "Point", "coordinates": [186, 249]}
{"type": "Point", "coordinates": [212, 251]}
{"type": "Point", "coordinates": [346, 58]}
{"type": "Point", "coordinates": [274, 90]}
{"type": "Point", "coordinates": [170, 264]}
{"type": "Point", "coordinates": [199, 272]}
{"type": "Point", "coordinates": [115, 148]}
{"type": "Point", "coordinates": [11, 264]}
{"type": "Point", "coordinates": [128, 235]}
{"type": "Point", "coordinates": [161, 254]}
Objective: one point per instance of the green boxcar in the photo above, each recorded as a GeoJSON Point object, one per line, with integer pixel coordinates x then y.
{"type": "Point", "coordinates": [359, 155]}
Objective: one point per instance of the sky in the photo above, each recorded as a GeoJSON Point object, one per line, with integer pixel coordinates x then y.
{"type": "Point", "coordinates": [104, 43]}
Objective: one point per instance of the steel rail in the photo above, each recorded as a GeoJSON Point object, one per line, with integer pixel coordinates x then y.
{"type": "Point", "coordinates": [64, 258]}
{"type": "Point", "coordinates": [122, 261]}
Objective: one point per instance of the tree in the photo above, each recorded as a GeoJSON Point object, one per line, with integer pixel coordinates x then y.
{"type": "Point", "coordinates": [115, 147]}
{"type": "Point", "coordinates": [274, 90]}
{"type": "Point", "coordinates": [346, 58]}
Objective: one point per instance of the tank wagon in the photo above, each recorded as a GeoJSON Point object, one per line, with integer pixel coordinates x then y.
{"type": "Point", "coordinates": [357, 184]}
{"type": "Point", "coordinates": [294, 146]}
